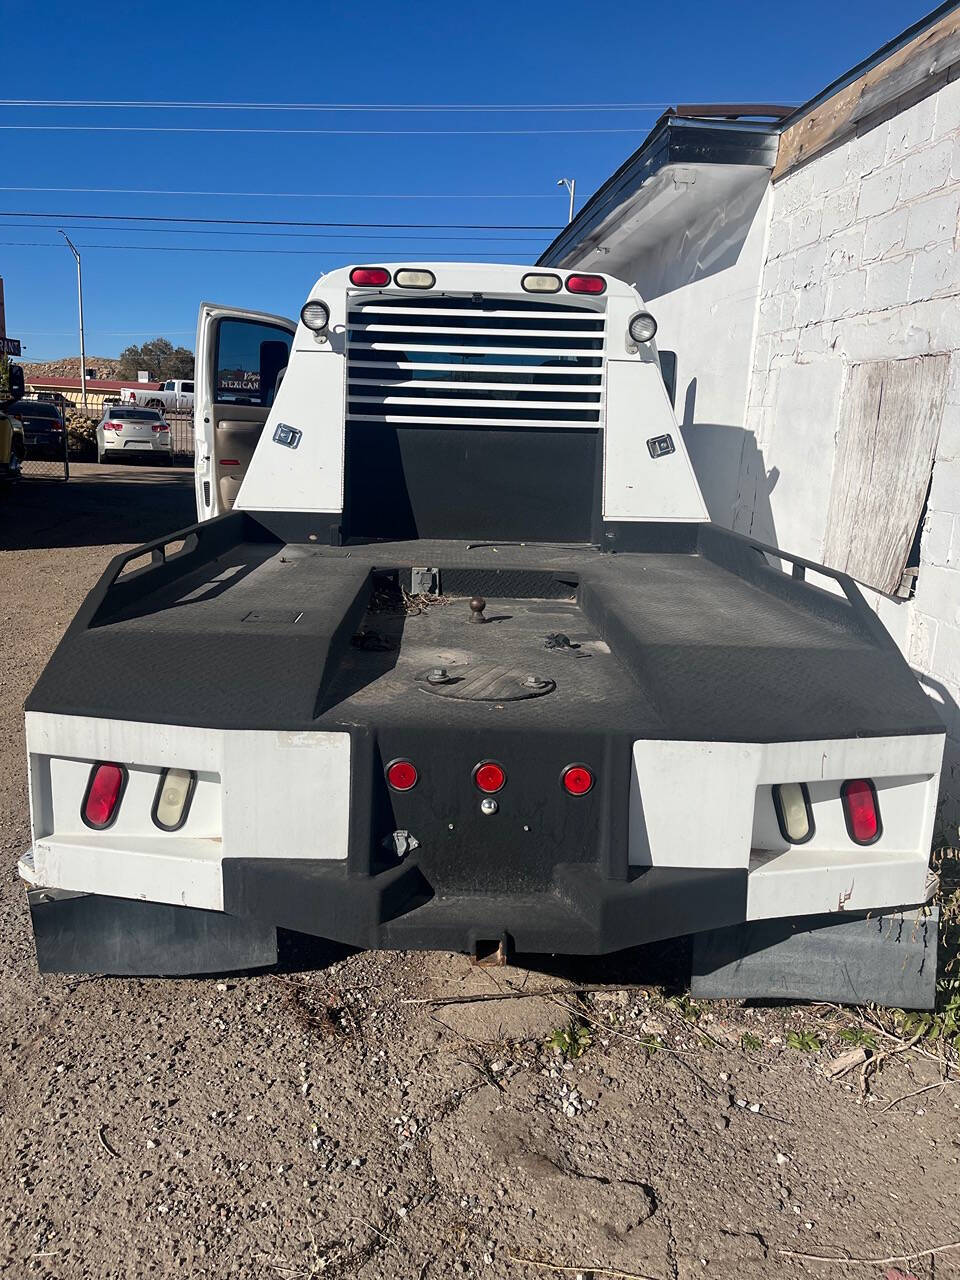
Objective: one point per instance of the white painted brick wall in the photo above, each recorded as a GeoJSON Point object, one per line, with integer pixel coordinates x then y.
{"type": "Point", "coordinates": [863, 263]}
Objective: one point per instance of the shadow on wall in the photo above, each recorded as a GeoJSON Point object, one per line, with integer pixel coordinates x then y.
{"type": "Point", "coordinates": [948, 806]}
{"type": "Point", "coordinates": [729, 465]}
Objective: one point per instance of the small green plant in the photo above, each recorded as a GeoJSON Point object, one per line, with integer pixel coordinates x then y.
{"type": "Point", "coordinates": [650, 1044]}
{"type": "Point", "coordinates": [571, 1041]}
{"type": "Point", "coordinates": [942, 1025]}
{"type": "Point", "coordinates": [686, 1008]}
{"type": "Point", "coordinates": [750, 1043]}
{"type": "Point", "coordinates": [859, 1037]}
{"type": "Point", "coordinates": [803, 1041]}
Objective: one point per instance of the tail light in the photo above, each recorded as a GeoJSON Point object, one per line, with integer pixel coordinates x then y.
{"type": "Point", "coordinates": [489, 777]}
{"type": "Point", "coordinates": [402, 775]}
{"type": "Point", "coordinates": [408, 279]}
{"type": "Point", "coordinates": [535, 282]}
{"type": "Point", "coordinates": [586, 284]}
{"type": "Point", "coordinates": [861, 811]}
{"type": "Point", "coordinates": [577, 779]}
{"type": "Point", "coordinates": [370, 276]}
{"type": "Point", "coordinates": [114, 426]}
{"type": "Point", "coordinates": [171, 804]}
{"type": "Point", "coordinates": [101, 801]}
{"type": "Point", "coordinates": [791, 800]}
{"type": "Point", "coordinates": [160, 426]}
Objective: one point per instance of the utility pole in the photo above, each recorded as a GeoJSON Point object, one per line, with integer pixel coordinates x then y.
{"type": "Point", "coordinates": [571, 185]}
{"type": "Point", "coordinates": [83, 354]}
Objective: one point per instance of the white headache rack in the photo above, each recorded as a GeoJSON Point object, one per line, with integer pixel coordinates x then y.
{"type": "Point", "coordinates": [475, 361]}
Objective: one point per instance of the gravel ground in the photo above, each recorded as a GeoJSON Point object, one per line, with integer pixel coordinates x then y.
{"type": "Point", "coordinates": [318, 1120]}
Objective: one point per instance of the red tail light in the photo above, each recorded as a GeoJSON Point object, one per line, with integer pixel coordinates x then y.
{"type": "Point", "coordinates": [402, 775]}
{"type": "Point", "coordinates": [489, 777]}
{"type": "Point", "coordinates": [160, 426]}
{"type": "Point", "coordinates": [370, 276]}
{"type": "Point", "coordinates": [861, 810]}
{"type": "Point", "coordinates": [586, 284]}
{"type": "Point", "coordinates": [114, 426]}
{"type": "Point", "coordinates": [102, 799]}
{"type": "Point", "coordinates": [577, 779]}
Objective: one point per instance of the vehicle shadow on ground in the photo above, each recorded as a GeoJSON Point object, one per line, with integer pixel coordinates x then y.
{"type": "Point", "coordinates": [97, 506]}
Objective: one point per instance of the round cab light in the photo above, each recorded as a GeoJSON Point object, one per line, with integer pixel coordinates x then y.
{"type": "Point", "coordinates": [586, 284]}
{"type": "Point", "coordinates": [370, 276]}
{"type": "Point", "coordinates": [534, 283]}
{"type": "Point", "coordinates": [102, 800]}
{"type": "Point", "coordinates": [408, 279]}
{"type": "Point", "coordinates": [489, 777]}
{"type": "Point", "coordinates": [642, 327]}
{"type": "Point", "coordinates": [402, 775]}
{"type": "Point", "coordinates": [315, 315]}
{"type": "Point", "coordinates": [577, 779]}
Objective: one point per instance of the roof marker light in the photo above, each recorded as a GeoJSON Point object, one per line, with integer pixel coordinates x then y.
{"type": "Point", "coordinates": [409, 279]}
{"type": "Point", "coordinates": [791, 800]}
{"type": "Point", "coordinates": [101, 800]}
{"type": "Point", "coordinates": [171, 804]}
{"type": "Point", "coordinates": [577, 779]}
{"type": "Point", "coordinates": [402, 775]}
{"type": "Point", "coordinates": [586, 284]}
{"type": "Point", "coordinates": [533, 282]}
{"type": "Point", "coordinates": [489, 777]}
{"type": "Point", "coordinates": [374, 276]}
{"type": "Point", "coordinates": [861, 812]}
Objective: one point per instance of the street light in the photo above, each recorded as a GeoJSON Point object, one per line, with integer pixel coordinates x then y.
{"type": "Point", "coordinates": [571, 185]}
{"type": "Point", "coordinates": [83, 354]}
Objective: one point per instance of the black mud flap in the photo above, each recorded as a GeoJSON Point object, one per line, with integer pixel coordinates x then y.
{"type": "Point", "coordinates": [854, 958]}
{"type": "Point", "coordinates": [89, 933]}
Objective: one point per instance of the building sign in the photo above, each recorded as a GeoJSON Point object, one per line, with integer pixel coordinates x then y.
{"type": "Point", "coordinates": [9, 346]}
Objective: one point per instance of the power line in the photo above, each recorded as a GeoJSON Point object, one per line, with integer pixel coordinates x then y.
{"type": "Point", "coordinates": [378, 133]}
{"type": "Point", "coordinates": [292, 235]}
{"type": "Point", "coordinates": [467, 255]}
{"type": "Point", "coordinates": [279, 222]}
{"type": "Point", "coordinates": [491, 107]}
{"type": "Point", "coordinates": [285, 195]}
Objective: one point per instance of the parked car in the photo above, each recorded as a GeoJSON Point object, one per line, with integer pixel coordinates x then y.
{"type": "Point", "coordinates": [131, 430]}
{"type": "Point", "coordinates": [11, 429]}
{"type": "Point", "coordinates": [173, 394]}
{"type": "Point", "coordinates": [44, 428]}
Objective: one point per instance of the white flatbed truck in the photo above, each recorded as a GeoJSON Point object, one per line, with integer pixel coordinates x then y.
{"type": "Point", "coordinates": [454, 658]}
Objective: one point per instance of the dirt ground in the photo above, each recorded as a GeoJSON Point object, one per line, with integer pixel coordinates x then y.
{"type": "Point", "coordinates": [321, 1119]}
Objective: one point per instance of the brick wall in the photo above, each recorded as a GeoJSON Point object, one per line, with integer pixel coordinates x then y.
{"type": "Point", "coordinates": [863, 263]}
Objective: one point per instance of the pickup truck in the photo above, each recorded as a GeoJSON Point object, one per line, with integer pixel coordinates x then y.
{"type": "Point", "coordinates": [172, 395]}
{"type": "Point", "coordinates": [454, 658]}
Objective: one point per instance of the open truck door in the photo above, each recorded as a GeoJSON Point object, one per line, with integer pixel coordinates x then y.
{"type": "Point", "coordinates": [241, 356]}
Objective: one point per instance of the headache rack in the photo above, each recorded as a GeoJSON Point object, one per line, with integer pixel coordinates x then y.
{"type": "Point", "coordinates": [475, 361]}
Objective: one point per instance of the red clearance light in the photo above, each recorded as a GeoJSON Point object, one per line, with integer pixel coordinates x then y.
{"type": "Point", "coordinates": [577, 779]}
{"type": "Point", "coordinates": [489, 777]}
{"type": "Point", "coordinates": [370, 275]}
{"type": "Point", "coordinates": [586, 284]}
{"type": "Point", "coordinates": [860, 810]}
{"type": "Point", "coordinates": [103, 793]}
{"type": "Point", "coordinates": [402, 775]}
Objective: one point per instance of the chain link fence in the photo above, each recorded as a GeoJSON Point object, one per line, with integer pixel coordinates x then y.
{"type": "Point", "coordinates": [46, 456]}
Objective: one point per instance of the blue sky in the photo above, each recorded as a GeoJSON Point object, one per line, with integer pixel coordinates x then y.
{"type": "Point", "coordinates": [422, 52]}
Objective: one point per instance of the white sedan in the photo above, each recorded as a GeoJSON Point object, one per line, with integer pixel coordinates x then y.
{"type": "Point", "coordinates": [133, 432]}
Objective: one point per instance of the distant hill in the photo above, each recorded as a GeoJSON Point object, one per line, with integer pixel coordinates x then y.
{"type": "Point", "coordinates": [106, 366]}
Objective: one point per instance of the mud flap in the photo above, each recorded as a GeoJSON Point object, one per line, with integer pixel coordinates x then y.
{"type": "Point", "coordinates": [856, 958]}
{"type": "Point", "coordinates": [90, 933]}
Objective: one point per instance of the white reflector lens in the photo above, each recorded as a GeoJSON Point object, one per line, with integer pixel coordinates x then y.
{"type": "Point", "coordinates": [315, 315]}
{"type": "Point", "coordinates": [642, 327]}
{"type": "Point", "coordinates": [408, 279]}
{"type": "Point", "coordinates": [173, 798]}
{"type": "Point", "coordinates": [541, 284]}
{"type": "Point", "coordinates": [793, 811]}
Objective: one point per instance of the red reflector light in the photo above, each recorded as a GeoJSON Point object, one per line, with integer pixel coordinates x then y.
{"type": "Point", "coordinates": [577, 779]}
{"type": "Point", "coordinates": [489, 777]}
{"type": "Point", "coordinates": [370, 275]}
{"type": "Point", "coordinates": [102, 800]}
{"type": "Point", "coordinates": [586, 284]}
{"type": "Point", "coordinates": [860, 810]}
{"type": "Point", "coordinates": [402, 775]}
{"type": "Point", "coordinates": [229, 462]}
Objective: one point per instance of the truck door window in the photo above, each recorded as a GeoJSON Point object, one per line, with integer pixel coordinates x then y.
{"type": "Point", "coordinates": [188, 388]}
{"type": "Point", "coordinates": [249, 357]}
